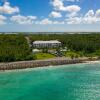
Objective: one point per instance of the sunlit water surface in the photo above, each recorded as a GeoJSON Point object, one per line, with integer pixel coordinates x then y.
{"type": "Point", "coordinates": [68, 82]}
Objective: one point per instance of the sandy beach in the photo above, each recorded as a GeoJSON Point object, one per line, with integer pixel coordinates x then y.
{"type": "Point", "coordinates": [92, 62]}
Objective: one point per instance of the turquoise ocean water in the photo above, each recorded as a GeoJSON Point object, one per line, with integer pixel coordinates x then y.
{"type": "Point", "coordinates": [68, 82]}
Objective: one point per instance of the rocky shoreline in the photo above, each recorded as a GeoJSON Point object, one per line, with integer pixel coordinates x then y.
{"type": "Point", "coordinates": [40, 63]}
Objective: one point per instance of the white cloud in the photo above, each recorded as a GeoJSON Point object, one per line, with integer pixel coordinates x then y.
{"type": "Point", "coordinates": [98, 13]}
{"type": "Point", "coordinates": [89, 20]}
{"type": "Point", "coordinates": [75, 20]}
{"type": "Point", "coordinates": [73, 8]}
{"type": "Point", "coordinates": [90, 13]}
{"type": "Point", "coordinates": [90, 17]}
{"type": "Point", "coordinates": [7, 9]}
{"type": "Point", "coordinates": [82, 20]}
{"type": "Point", "coordinates": [23, 19]}
{"type": "Point", "coordinates": [73, 0]}
{"type": "Point", "coordinates": [55, 14]}
{"type": "Point", "coordinates": [59, 6]}
{"type": "Point", "coordinates": [73, 14]}
{"type": "Point", "coordinates": [2, 19]}
{"type": "Point", "coordinates": [32, 17]}
{"type": "Point", "coordinates": [47, 21]}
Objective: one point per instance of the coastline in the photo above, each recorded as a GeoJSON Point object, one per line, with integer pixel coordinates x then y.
{"type": "Point", "coordinates": [42, 63]}
{"type": "Point", "coordinates": [92, 62]}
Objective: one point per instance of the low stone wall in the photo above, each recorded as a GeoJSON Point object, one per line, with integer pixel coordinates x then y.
{"type": "Point", "coordinates": [39, 63]}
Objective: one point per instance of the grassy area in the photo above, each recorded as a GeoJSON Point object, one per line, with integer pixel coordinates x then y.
{"type": "Point", "coordinates": [41, 56]}
{"type": "Point", "coordinates": [71, 54]}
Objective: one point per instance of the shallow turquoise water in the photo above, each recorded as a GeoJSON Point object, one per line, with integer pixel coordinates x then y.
{"type": "Point", "coordinates": [68, 82]}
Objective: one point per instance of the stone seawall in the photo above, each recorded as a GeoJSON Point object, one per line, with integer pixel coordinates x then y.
{"type": "Point", "coordinates": [37, 63]}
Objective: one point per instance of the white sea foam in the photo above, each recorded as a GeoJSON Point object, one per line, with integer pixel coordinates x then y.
{"type": "Point", "coordinates": [92, 62]}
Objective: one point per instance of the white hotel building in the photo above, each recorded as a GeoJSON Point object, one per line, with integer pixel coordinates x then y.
{"type": "Point", "coordinates": [46, 44]}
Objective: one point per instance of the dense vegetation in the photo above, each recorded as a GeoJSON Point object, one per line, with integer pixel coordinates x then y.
{"type": "Point", "coordinates": [85, 44]}
{"type": "Point", "coordinates": [14, 48]}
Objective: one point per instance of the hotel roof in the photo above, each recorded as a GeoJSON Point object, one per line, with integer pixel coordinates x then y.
{"type": "Point", "coordinates": [42, 42]}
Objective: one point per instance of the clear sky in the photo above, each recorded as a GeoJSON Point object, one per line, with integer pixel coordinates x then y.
{"type": "Point", "coordinates": [49, 15]}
